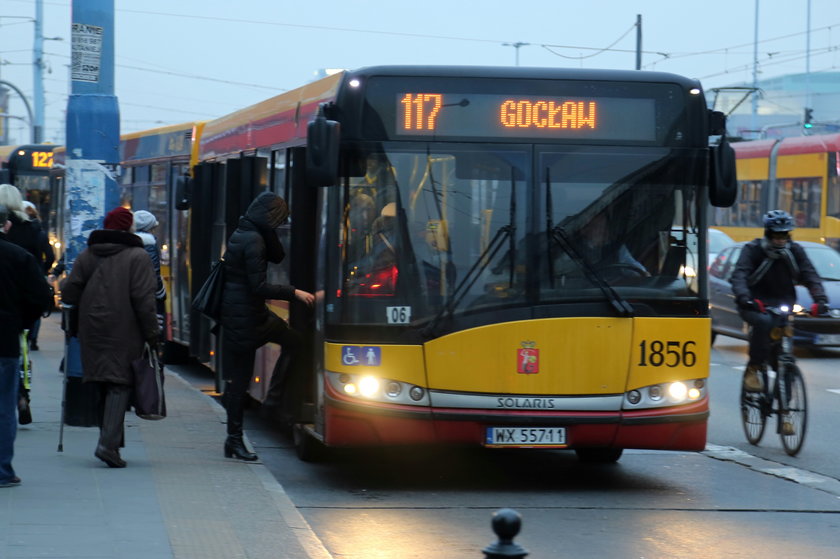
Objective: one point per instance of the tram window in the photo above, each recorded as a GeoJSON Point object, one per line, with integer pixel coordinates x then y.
{"type": "Point", "coordinates": [747, 210]}
{"type": "Point", "coordinates": [833, 208]}
{"type": "Point", "coordinates": [801, 198]}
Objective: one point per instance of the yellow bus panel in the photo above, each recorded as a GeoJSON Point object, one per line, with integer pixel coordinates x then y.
{"type": "Point", "coordinates": [548, 356]}
{"type": "Point", "coordinates": [397, 362]}
{"type": "Point", "coordinates": [669, 349]}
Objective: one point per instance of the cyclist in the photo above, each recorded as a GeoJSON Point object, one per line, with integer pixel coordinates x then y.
{"type": "Point", "coordinates": [765, 275]}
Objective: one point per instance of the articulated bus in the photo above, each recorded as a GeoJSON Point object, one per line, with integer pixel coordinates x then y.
{"type": "Point", "coordinates": [498, 254]}
{"type": "Point", "coordinates": [154, 165]}
{"type": "Point", "coordinates": [800, 175]}
{"type": "Point", "coordinates": [31, 168]}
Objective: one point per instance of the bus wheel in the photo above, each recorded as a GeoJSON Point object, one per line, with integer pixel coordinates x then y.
{"type": "Point", "coordinates": [307, 447]}
{"type": "Point", "coordinates": [599, 455]}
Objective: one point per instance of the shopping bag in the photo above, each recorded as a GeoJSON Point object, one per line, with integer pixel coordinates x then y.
{"type": "Point", "coordinates": [148, 398]}
{"type": "Point", "coordinates": [208, 300]}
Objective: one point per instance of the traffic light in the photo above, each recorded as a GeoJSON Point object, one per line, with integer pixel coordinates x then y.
{"type": "Point", "coordinates": [809, 117]}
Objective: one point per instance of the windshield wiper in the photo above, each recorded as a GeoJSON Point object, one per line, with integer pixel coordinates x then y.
{"type": "Point", "coordinates": [481, 263]}
{"type": "Point", "coordinates": [619, 304]}
{"type": "Point", "coordinates": [559, 235]}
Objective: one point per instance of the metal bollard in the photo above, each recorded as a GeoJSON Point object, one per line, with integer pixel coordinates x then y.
{"type": "Point", "coordinates": [506, 524]}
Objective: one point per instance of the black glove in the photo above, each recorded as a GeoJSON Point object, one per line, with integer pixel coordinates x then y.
{"type": "Point", "coordinates": [747, 304]}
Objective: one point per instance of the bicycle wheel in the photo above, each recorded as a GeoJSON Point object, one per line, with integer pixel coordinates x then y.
{"type": "Point", "coordinates": [753, 414]}
{"type": "Point", "coordinates": [795, 420]}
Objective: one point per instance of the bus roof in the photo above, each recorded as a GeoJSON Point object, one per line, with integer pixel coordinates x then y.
{"type": "Point", "coordinates": [523, 72]}
{"type": "Point", "coordinates": [165, 141]}
{"type": "Point", "coordinates": [276, 120]}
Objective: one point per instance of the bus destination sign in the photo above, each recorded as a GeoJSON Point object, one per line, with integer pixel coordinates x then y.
{"type": "Point", "coordinates": [492, 115]}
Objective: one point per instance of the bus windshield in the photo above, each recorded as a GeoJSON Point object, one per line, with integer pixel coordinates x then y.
{"type": "Point", "coordinates": [434, 228]}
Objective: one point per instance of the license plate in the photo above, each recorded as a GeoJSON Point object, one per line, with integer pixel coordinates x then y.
{"type": "Point", "coordinates": [827, 339]}
{"type": "Point", "coordinates": [526, 437]}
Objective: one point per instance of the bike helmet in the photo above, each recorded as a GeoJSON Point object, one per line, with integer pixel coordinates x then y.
{"type": "Point", "coordinates": [777, 221]}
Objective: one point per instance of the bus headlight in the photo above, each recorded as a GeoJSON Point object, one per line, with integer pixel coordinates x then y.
{"type": "Point", "coordinates": [665, 394]}
{"type": "Point", "coordinates": [370, 388]}
{"type": "Point", "coordinates": [677, 391]}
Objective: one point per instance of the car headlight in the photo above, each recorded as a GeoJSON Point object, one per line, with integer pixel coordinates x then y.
{"type": "Point", "coordinates": [665, 394]}
{"type": "Point", "coordinates": [688, 271]}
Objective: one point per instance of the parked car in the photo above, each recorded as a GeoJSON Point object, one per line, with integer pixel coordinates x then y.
{"type": "Point", "coordinates": [718, 240]}
{"type": "Point", "coordinates": [807, 330]}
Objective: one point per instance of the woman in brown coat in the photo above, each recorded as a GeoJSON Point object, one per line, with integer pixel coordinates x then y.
{"type": "Point", "coordinates": [113, 285]}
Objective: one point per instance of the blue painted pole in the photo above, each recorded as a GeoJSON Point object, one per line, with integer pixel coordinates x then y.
{"type": "Point", "coordinates": [93, 133]}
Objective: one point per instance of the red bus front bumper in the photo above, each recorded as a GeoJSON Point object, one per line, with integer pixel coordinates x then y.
{"type": "Point", "coordinates": [351, 423]}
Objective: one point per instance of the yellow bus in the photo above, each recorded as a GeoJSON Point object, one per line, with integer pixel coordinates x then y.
{"type": "Point", "coordinates": [498, 254]}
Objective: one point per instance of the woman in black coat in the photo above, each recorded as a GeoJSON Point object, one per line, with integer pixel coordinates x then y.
{"type": "Point", "coordinates": [246, 321]}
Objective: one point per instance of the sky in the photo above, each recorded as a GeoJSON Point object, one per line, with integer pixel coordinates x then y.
{"type": "Point", "coordinates": [185, 60]}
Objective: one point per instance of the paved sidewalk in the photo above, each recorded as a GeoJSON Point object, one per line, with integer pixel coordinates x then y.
{"type": "Point", "coordinates": [178, 497]}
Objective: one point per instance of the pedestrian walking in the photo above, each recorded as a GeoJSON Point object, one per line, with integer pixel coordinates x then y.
{"type": "Point", "coordinates": [112, 283]}
{"type": "Point", "coordinates": [246, 321]}
{"type": "Point", "coordinates": [24, 295]}
{"type": "Point", "coordinates": [27, 234]}
{"type": "Point", "coordinates": [45, 256]}
{"type": "Point", "coordinates": [144, 224]}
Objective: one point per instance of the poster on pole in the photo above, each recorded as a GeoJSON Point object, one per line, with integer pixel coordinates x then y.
{"type": "Point", "coordinates": [86, 52]}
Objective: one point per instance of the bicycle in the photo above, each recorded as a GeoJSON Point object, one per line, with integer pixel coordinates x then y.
{"type": "Point", "coordinates": [785, 397]}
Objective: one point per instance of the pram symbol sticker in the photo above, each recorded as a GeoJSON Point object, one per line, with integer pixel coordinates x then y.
{"type": "Point", "coordinates": [366, 356]}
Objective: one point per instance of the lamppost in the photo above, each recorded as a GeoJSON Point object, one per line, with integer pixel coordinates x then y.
{"type": "Point", "coordinates": [38, 71]}
{"type": "Point", "coordinates": [37, 120]}
{"type": "Point", "coordinates": [25, 104]}
{"type": "Point", "coordinates": [516, 45]}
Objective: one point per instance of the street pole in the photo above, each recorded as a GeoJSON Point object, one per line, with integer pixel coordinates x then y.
{"type": "Point", "coordinates": [754, 118]}
{"type": "Point", "coordinates": [517, 45]}
{"type": "Point", "coordinates": [93, 133]}
{"type": "Point", "coordinates": [638, 41]}
{"type": "Point", "coordinates": [38, 74]}
{"type": "Point", "coordinates": [808, 104]}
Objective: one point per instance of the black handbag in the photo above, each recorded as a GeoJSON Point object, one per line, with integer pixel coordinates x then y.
{"type": "Point", "coordinates": [148, 400]}
{"type": "Point", "coordinates": [208, 300]}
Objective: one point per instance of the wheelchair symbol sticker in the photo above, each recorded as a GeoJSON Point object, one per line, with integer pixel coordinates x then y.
{"type": "Point", "coordinates": [369, 356]}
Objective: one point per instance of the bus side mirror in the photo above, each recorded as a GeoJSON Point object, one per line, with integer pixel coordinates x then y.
{"type": "Point", "coordinates": [723, 181]}
{"type": "Point", "coordinates": [322, 137]}
{"type": "Point", "coordinates": [183, 191]}
{"type": "Point", "coordinates": [5, 176]}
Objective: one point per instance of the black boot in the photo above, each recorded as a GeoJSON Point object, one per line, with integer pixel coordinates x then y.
{"type": "Point", "coordinates": [234, 445]}
{"type": "Point", "coordinates": [235, 448]}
